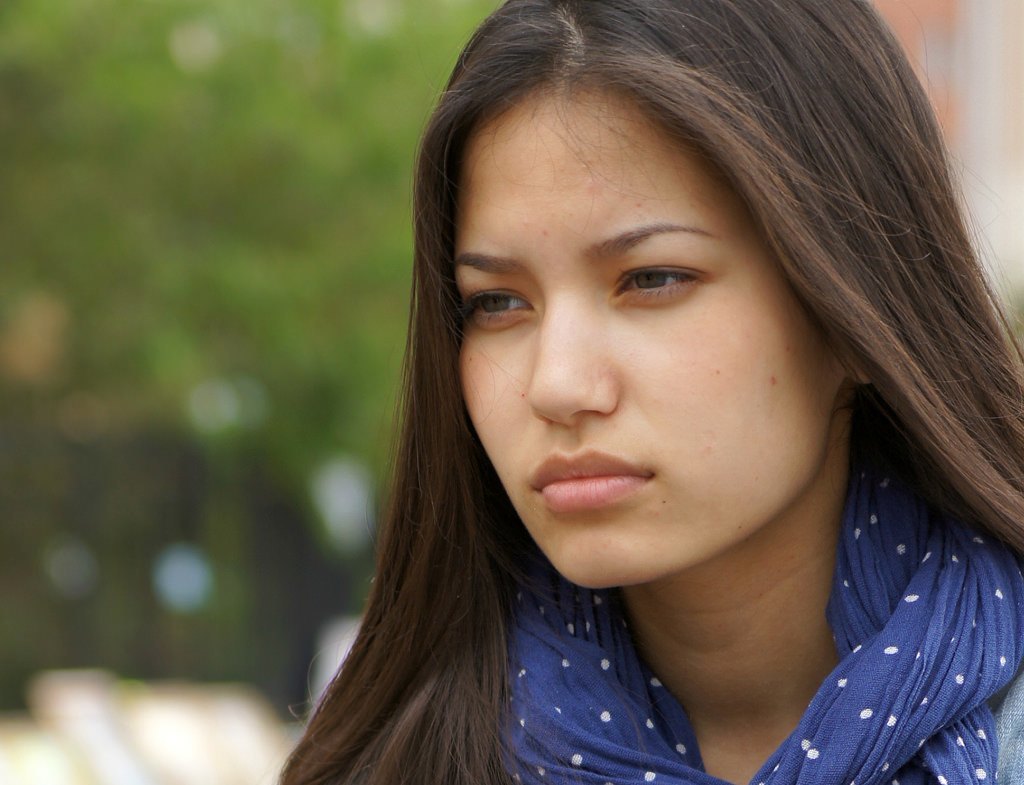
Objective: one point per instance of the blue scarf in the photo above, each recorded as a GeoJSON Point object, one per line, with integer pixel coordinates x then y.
{"type": "Point", "coordinates": [928, 620]}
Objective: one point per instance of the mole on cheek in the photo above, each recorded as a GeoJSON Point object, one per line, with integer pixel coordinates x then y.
{"type": "Point", "coordinates": [774, 381]}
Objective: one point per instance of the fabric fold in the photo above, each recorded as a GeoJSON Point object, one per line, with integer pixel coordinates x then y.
{"type": "Point", "coordinates": [927, 617]}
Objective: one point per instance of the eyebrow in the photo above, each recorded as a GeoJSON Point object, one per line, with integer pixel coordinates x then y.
{"type": "Point", "coordinates": [613, 246]}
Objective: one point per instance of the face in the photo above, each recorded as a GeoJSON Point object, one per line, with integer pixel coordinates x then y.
{"type": "Point", "coordinates": [650, 393]}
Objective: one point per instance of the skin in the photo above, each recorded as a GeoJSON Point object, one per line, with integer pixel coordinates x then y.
{"type": "Point", "coordinates": [681, 351]}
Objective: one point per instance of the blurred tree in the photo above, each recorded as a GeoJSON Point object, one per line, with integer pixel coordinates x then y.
{"type": "Point", "coordinates": [216, 189]}
{"type": "Point", "coordinates": [204, 242]}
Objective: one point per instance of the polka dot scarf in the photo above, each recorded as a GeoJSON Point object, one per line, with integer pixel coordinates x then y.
{"type": "Point", "coordinates": [927, 618]}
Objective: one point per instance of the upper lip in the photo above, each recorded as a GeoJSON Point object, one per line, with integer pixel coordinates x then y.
{"type": "Point", "coordinates": [581, 465]}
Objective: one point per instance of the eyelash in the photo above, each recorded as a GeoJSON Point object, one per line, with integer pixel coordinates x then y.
{"type": "Point", "coordinates": [683, 277]}
{"type": "Point", "coordinates": [471, 306]}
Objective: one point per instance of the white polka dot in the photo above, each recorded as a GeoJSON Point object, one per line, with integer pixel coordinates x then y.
{"type": "Point", "coordinates": [565, 663]}
{"type": "Point", "coordinates": [956, 559]}
{"type": "Point", "coordinates": [912, 598]}
{"type": "Point", "coordinates": [901, 549]}
{"type": "Point", "coordinates": [841, 682]}
{"type": "Point", "coordinates": [540, 770]}
{"type": "Point", "coordinates": [522, 673]}
{"type": "Point", "coordinates": [846, 584]}
{"type": "Point", "coordinates": [960, 741]}
{"type": "Point", "coordinates": [558, 709]}
{"type": "Point", "coordinates": [606, 716]}
{"type": "Point", "coordinates": [540, 609]}
{"type": "Point", "coordinates": [873, 518]}
{"type": "Point", "coordinates": [522, 723]}
{"type": "Point", "coordinates": [805, 745]}
{"type": "Point", "coordinates": [650, 723]}
{"type": "Point", "coordinates": [571, 628]}
{"type": "Point", "coordinates": [924, 702]}
{"type": "Point", "coordinates": [597, 599]}
{"type": "Point", "coordinates": [857, 648]}
{"type": "Point", "coordinates": [605, 665]}
{"type": "Point", "coordinates": [588, 626]}
{"type": "Point", "coordinates": [866, 714]}
{"type": "Point", "coordinates": [577, 759]}
{"type": "Point", "coordinates": [649, 776]}
{"type": "Point", "coordinates": [981, 773]}
{"type": "Point", "coordinates": [981, 734]}
{"type": "Point", "coordinates": [519, 596]}
{"type": "Point", "coordinates": [999, 593]}
{"type": "Point", "coordinates": [891, 721]}
{"type": "Point", "coordinates": [813, 754]}
{"type": "Point", "coordinates": [1002, 662]}
{"type": "Point", "coordinates": [959, 678]}
{"type": "Point", "coordinates": [681, 749]}
{"type": "Point", "coordinates": [885, 767]}
{"type": "Point", "coordinates": [980, 542]}
{"type": "Point", "coordinates": [655, 682]}
{"type": "Point", "coordinates": [942, 780]}
{"type": "Point", "coordinates": [892, 650]}
{"type": "Point", "coordinates": [927, 556]}
{"type": "Point", "coordinates": [856, 534]}
{"type": "Point", "coordinates": [884, 483]}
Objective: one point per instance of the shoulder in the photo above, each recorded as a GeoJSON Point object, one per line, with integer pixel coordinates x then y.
{"type": "Point", "coordinates": [1008, 708]}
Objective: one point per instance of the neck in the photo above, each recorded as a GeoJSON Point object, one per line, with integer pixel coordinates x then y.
{"type": "Point", "coordinates": [742, 641]}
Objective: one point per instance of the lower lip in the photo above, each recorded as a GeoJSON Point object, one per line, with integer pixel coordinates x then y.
{"type": "Point", "coordinates": [590, 493]}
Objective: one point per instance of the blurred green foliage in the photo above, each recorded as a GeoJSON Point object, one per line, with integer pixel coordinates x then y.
{"type": "Point", "coordinates": [195, 190]}
{"type": "Point", "coordinates": [204, 251]}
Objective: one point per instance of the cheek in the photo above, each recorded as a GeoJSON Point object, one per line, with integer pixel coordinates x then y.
{"type": "Point", "coordinates": [490, 393]}
{"type": "Point", "coordinates": [748, 390]}
{"type": "Point", "coordinates": [477, 381]}
{"type": "Point", "coordinates": [701, 373]}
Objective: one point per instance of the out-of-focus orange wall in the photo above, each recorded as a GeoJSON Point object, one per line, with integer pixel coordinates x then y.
{"type": "Point", "coordinates": [928, 31]}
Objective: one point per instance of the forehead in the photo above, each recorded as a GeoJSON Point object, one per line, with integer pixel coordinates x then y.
{"type": "Point", "coordinates": [593, 152]}
{"type": "Point", "coordinates": [600, 131]}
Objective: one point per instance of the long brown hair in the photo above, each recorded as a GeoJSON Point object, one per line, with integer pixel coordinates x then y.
{"type": "Point", "coordinates": [810, 110]}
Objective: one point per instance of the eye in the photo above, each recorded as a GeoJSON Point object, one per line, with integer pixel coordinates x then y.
{"type": "Point", "coordinates": [487, 307]}
{"type": "Point", "coordinates": [494, 302]}
{"type": "Point", "coordinates": [653, 282]}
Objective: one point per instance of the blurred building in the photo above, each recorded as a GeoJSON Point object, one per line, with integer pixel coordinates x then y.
{"type": "Point", "coordinates": [970, 55]}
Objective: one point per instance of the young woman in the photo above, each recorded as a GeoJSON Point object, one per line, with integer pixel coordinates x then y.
{"type": "Point", "coordinates": [711, 465]}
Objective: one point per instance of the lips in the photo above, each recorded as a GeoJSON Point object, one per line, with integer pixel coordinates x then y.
{"type": "Point", "coordinates": [588, 481]}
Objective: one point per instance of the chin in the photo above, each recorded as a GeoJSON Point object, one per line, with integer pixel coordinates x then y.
{"type": "Point", "coordinates": [602, 573]}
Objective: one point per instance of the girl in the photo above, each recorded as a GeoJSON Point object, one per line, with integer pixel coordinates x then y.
{"type": "Point", "coordinates": [711, 462]}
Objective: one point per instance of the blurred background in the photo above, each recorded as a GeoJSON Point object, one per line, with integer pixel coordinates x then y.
{"type": "Point", "coordinates": [204, 262]}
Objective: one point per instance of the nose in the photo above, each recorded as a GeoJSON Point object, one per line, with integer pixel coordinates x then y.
{"type": "Point", "coordinates": [573, 371]}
